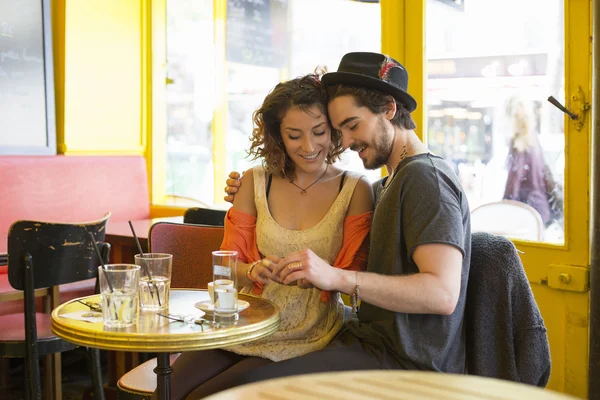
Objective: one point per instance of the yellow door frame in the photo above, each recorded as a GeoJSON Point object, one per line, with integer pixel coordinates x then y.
{"type": "Point", "coordinates": [403, 38]}
{"type": "Point", "coordinates": [156, 97]}
{"type": "Point", "coordinates": [156, 41]}
{"type": "Point", "coordinates": [559, 275]}
{"type": "Point", "coordinates": [219, 122]}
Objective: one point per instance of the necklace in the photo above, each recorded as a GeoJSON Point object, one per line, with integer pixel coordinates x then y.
{"type": "Point", "coordinates": [303, 190]}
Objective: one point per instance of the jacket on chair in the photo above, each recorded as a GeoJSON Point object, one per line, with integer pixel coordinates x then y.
{"type": "Point", "coordinates": [506, 336]}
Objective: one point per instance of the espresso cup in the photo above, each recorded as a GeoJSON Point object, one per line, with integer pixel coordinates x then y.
{"type": "Point", "coordinates": [225, 283]}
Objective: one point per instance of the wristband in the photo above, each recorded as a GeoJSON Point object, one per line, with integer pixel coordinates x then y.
{"type": "Point", "coordinates": [355, 296]}
{"type": "Point", "coordinates": [249, 270]}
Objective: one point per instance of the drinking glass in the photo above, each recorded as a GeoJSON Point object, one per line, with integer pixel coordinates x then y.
{"type": "Point", "coordinates": [154, 288]}
{"type": "Point", "coordinates": [225, 285]}
{"type": "Point", "coordinates": [119, 292]}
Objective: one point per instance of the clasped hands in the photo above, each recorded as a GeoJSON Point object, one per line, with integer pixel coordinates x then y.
{"type": "Point", "coordinates": [302, 268]}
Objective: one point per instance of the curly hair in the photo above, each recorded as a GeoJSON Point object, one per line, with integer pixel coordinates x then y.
{"type": "Point", "coordinates": [303, 92]}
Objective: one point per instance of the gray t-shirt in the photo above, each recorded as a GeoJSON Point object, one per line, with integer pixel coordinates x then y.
{"type": "Point", "coordinates": [423, 203]}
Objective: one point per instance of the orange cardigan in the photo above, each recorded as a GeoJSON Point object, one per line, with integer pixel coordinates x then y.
{"type": "Point", "coordinates": [240, 235]}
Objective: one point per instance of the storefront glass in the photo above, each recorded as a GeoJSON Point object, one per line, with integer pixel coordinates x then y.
{"type": "Point", "coordinates": [491, 66]}
{"type": "Point", "coordinates": [266, 42]}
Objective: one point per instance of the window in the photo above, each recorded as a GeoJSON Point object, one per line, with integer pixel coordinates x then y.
{"type": "Point", "coordinates": [490, 71]}
{"type": "Point", "coordinates": [265, 42]}
{"type": "Point", "coordinates": [190, 97]}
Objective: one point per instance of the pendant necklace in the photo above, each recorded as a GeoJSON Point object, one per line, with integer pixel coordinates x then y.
{"type": "Point", "coordinates": [303, 190]}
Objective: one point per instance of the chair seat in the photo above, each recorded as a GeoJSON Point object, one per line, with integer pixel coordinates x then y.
{"type": "Point", "coordinates": [12, 336]}
{"type": "Point", "coordinates": [142, 380]}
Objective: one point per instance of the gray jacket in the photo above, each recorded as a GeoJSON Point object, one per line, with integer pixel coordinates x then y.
{"type": "Point", "coordinates": [506, 336]}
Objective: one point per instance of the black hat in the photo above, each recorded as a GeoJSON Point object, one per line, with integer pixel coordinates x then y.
{"type": "Point", "coordinates": [373, 71]}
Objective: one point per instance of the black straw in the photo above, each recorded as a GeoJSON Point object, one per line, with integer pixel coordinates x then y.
{"type": "Point", "coordinates": [146, 270]}
{"type": "Point", "coordinates": [137, 241]}
{"type": "Point", "coordinates": [139, 246]}
{"type": "Point", "coordinates": [110, 286]}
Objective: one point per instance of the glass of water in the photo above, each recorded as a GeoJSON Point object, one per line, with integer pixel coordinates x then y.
{"type": "Point", "coordinates": [225, 286]}
{"type": "Point", "coordinates": [119, 292]}
{"type": "Point", "coordinates": [155, 280]}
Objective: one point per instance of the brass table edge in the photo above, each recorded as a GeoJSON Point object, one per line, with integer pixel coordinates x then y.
{"type": "Point", "coordinates": [203, 344]}
{"type": "Point", "coordinates": [120, 340]}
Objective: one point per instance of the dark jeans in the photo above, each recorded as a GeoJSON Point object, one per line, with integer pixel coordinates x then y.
{"type": "Point", "coordinates": [345, 353]}
{"type": "Point", "coordinates": [198, 373]}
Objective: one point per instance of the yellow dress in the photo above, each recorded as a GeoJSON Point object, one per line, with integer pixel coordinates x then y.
{"type": "Point", "coordinates": [307, 323]}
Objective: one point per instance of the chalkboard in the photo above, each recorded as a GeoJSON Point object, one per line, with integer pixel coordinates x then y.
{"type": "Point", "coordinates": [27, 116]}
{"type": "Point", "coordinates": [256, 32]}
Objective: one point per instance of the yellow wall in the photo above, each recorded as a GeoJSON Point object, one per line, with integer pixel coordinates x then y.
{"type": "Point", "coordinates": [99, 70]}
{"type": "Point", "coordinates": [103, 79]}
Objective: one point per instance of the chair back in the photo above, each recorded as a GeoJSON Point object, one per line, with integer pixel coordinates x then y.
{"type": "Point", "coordinates": [204, 216]}
{"type": "Point", "coordinates": [506, 336]}
{"type": "Point", "coordinates": [46, 254]}
{"type": "Point", "coordinates": [508, 218]}
{"type": "Point", "coordinates": [60, 253]}
{"type": "Point", "coordinates": [191, 247]}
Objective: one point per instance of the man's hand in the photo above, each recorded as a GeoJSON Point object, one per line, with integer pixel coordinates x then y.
{"type": "Point", "coordinates": [308, 269]}
{"type": "Point", "coordinates": [233, 184]}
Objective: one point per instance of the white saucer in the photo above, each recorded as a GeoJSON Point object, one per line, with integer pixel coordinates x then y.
{"type": "Point", "coordinates": [208, 307]}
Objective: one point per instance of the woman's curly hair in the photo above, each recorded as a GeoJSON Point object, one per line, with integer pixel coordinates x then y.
{"type": "Point", "coordinates": [303, 92]}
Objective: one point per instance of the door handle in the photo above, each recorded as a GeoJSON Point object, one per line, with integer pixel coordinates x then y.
{"type": "Point", "coordinates": [584, 107]}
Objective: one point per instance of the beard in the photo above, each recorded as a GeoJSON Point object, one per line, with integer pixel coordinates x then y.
{"type": "Point", "coordinates": [381, 146]}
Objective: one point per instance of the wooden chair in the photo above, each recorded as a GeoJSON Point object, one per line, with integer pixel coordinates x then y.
{"type": "Point", "coordinates": [191, 247]}
{"type": "Point", "coordinates": [45, 255]}
{"type": "Point", "coordinates": [204, 216]}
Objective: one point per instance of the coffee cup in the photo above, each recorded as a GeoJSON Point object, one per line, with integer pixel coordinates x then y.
{"type": "Point", "coordinates": [224, 283]}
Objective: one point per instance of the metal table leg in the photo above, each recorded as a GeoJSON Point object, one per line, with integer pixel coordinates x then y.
{"type": "Point", "coordinates": [163, 371]}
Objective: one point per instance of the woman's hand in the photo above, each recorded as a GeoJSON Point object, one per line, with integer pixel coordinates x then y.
{"type": "Point", "coordinates": [233, 184]}
{"type": "Point", "coordinates": [308, 269]}
{"type": "Point", "coordinates": [262, 271]}
{"type": "Point", "coordinates": [304, 284]}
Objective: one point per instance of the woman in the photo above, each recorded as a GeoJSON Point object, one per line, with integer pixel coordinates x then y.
{"type": "Point", "coordinates": [297, 200]}
{"type": "Point", "coordinates": [529, 178]}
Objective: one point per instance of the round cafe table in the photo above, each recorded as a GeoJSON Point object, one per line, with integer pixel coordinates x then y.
{"type": "Point", "coordinates": [154, 333]}
{"type": "Point", "coordinates": [386, 385]}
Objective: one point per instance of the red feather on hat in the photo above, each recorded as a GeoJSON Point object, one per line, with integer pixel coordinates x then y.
{"type": "Point", "coordinates": [386, 65]}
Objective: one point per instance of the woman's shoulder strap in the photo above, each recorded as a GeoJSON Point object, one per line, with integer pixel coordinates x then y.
{"type": "Point", "coordinates": [269, 180]}
{"type": "Point", "coordinates": [350, 180]}
{"type": "Point", "coordinates": [342, 181]}
{"type": "Point", "coordinates": [259, 175]}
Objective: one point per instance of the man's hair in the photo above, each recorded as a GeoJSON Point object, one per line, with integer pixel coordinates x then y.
{"type": "Point", "coordinates": [266, 141]}
{"type": "Point", "coordinates": [376, 101]}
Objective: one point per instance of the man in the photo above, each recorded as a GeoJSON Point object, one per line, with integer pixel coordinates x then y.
{"type": "Point", "coordinates": [413, 292]}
